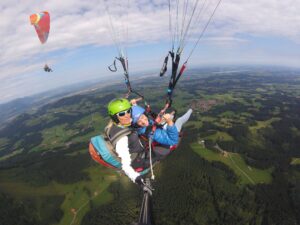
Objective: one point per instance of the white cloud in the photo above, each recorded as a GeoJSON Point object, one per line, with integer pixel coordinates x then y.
{"type": "Point", "coordinates": [264, 17]}
{"type": "Point", "coordinates": [76, 23]}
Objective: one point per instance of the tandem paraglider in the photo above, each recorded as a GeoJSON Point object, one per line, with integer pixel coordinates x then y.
{"type": "Point", "coordinates": [137, 138]}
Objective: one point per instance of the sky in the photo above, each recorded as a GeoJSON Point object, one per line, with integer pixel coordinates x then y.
{"type": "Point", "coordinates": [84, 35]}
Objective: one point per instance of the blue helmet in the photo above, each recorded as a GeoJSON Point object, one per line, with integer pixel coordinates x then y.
{"type": "Point", "coordinates": [137, 111]}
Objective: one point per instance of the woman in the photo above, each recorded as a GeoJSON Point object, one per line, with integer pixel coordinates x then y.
{"type": "Point", "coordinates": [129, 144]}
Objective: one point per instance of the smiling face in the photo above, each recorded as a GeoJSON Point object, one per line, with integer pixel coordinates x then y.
{"type": "Point", "coordinates": [143, 121]}
{"type": "Point", "coordinates": [124, 117]}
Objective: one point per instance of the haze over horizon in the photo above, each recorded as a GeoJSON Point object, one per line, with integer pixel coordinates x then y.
{"type": "Point", "coordinates": [80, 48]}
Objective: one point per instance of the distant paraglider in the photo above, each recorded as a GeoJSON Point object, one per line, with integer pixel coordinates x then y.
{"type": "Point", "coordinates": [41, 23]}
{"type": "Point", "coordinates": [47, 68]}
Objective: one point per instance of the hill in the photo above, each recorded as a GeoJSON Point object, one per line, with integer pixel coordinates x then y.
{"type": "Point", "coordinates": [237, 163]}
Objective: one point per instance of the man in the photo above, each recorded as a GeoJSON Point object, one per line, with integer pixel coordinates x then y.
{"type": "Point", "coordinates": [128, 145]}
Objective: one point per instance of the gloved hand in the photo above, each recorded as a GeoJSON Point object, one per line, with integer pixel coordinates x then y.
{"type": "Point", "coordinates": [139, 181]}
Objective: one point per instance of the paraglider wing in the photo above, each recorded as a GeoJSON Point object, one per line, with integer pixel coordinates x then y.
{"type": "Point", "coordinates": [41, 22]}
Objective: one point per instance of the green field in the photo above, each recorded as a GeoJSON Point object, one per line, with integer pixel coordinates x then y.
{"type": "Point", "coordinates": [295, 131]}
{"type": "Point", "coordinates": [263, 124]}
{"type": "Point", "coordinates": [246, 174]}
{"type": "Point", "coordinates": [61, 135]}
{"type": "Point", "coordinates": [254, 135]}
{"type": "Point", "coordinates": [77, 196]}
{"type": "Point", "coordinates": [49, 117]}
{"type": "Point", "coordinates": [3, 142]}
{"type": "Point", "coordinates": [295, 161]}
{"type": "Point", "coordinates": [14, 153]}
{"type": "Point", "coordinates": [219, 136]}
{"type": "Point", "coordinates": [223, 97]}
{"type": "Point", "coordinates": [78, 199]}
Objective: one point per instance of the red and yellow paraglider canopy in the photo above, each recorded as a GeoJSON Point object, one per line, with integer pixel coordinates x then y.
{"type": "Point", "coordinates": [41, 22]}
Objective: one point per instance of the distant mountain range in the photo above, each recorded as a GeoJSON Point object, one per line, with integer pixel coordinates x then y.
{"type": "Point", "coordinates": [10, 110]}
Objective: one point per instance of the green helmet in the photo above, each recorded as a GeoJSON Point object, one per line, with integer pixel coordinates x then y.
{"type": "Point", "coordinates": [118, 105]}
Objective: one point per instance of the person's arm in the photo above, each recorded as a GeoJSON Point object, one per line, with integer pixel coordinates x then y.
{"type": "Point", "coordinates": [134, 101]}
{"type": "Point", "coordinates": [141, 130]}
{"type": "Point", "coordinates": [166, 137]}
{"type": "Point", "coordinates": [123, 152]}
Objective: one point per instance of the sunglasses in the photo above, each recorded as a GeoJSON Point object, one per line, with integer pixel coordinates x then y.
{"type": "Point", "coordinates": [123, 113]}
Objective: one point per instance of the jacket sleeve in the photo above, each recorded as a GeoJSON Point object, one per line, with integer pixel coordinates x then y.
{"type": "Point", "coordinates": [166, 137]}
{"type": "Point", "coordinates": [141, 130]}
{"type": "Point", "coordinates": [123, 152]}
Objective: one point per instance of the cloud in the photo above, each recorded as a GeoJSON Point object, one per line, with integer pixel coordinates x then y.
{"type": "Point", "coordinates": [264, 17]}
{"type": "Point", "coordinates": [76, 23]}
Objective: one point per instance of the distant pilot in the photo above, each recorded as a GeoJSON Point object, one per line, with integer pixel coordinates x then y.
{"type": "Point", "coordinates": [47, 68]}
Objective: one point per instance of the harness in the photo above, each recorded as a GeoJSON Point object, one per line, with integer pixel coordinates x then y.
{"type": "Point", "coordinates": [102, 147]}
{"type": "Point", "coordinates": [148, 134]}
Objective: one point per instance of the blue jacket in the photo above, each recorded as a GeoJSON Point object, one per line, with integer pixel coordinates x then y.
{"type": "Point", "coordinates": [165, 137]}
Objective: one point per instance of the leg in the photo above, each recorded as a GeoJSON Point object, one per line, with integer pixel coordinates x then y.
{"type": "Point", "coordinates": [161, 152]}
{"type": "Point", "coordinates": [183, 119]}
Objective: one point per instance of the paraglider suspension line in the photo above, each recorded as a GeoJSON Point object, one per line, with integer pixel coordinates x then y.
{"type": "Point", "coordinates": [150, 158]}
{"type": "Point", "coordinates": [204, 29]}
